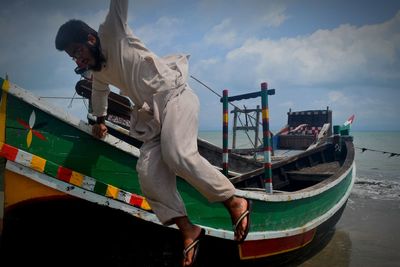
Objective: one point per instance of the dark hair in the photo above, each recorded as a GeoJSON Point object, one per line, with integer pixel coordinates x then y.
{"type": "Point", "coordinates": [73, 31]}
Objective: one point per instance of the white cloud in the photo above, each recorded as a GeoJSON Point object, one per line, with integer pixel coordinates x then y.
{"type": "Point", "coordinates": [161, 33]}
{"type": "Point", "coordinates": [347, 54]}
{"type": "Point", "coordinates": [358, 61]}
{"type": "Point", "coordinates": [222, 34]}
{"type": "Point", "coordinates": [275, 18]}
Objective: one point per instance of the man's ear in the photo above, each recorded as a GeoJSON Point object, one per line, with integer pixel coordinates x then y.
{"type": "Point", "coordinates": [91, 39]}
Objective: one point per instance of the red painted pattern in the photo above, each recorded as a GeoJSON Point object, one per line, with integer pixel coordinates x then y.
{"type": "Point", "coordinates": [23, 123]}
{"type": "Point", "coordinates": [136, 200]}
{"type": "Point", "coordinates": [267, 165]}
{"type": "Point", "coordinates": [268, 247]}
{"type": "Point", "coordinates": [36, 133]}
{"type": "Point", "coordinates": [64, 174]}
{"type": "Point", "coordinates": [8, 152]}
{"type": "Point", "coordinates": [39, 135]}
{"type": "Point", "coordinates": [264, 85]}
{"type": "Point", "coordinates": [268, 180]}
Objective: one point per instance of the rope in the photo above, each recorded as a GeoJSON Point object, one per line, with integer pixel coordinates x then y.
{"type": "Point", "coordinates": [248, 136]}
{"type": "Point", "coordinates": [67, 97]}
{"type": "Point", "coordinates": [250, 116]}
{"type": "Point", "coordinates": [391, 154]}
{"type": "Point", "coordinates": [73, 97]}
{"type": "Point", "coordinates": [209, 88]}
{"type": "Point", "coordinates": [61, 97]}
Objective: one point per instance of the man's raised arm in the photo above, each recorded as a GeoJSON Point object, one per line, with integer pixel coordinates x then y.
{"type": "Point", "coordinates": [117, 16]}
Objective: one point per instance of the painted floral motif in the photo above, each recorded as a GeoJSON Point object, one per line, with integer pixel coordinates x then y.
{"type": "Point", "coordinates": [31, 131]}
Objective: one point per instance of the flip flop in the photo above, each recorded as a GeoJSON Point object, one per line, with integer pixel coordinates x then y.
{"type": "Point", "coordinates": [194, 246]}
{"type": "Point", "coordinates": [240, 219]}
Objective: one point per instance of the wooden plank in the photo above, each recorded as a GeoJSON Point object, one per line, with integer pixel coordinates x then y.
{"type": "Point", "coordinates": [308, 177]}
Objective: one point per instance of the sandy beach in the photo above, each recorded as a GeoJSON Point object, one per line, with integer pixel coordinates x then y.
{"type": "Point", "coordinates": [367, 235]}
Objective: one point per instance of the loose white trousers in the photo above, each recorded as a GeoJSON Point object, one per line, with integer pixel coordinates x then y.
{"type": "Point", "coordinates": [173, 153]}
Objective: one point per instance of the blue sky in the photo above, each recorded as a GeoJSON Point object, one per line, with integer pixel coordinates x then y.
{"type": "Point", "coordinates": [341, 54]}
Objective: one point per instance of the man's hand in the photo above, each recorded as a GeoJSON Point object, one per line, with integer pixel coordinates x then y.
{"type": "Point", "coordinates": [99, 130]}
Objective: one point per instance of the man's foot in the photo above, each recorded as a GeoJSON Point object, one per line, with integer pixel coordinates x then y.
{"type": "Point", "coordinates": [239, 209]}
{"type": "Point", "coordinates": [192, 248]}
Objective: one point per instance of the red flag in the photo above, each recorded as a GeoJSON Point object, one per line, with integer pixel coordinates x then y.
{"type": "Point", "coordinates": [349, 120]}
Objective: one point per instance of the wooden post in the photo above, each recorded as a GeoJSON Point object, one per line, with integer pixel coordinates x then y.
{"type": "Point", "coordinates": [257, 128]}
{"type": "Point", "coordinates": [266, 139]}
{"type": "Point", "coordinates": [225, 132]}
{"type": "Point", "coordinates": [235, 116]}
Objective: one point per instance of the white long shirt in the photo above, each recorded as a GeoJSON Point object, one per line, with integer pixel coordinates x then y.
{"type": "Point", "coordinates": [134, 69]}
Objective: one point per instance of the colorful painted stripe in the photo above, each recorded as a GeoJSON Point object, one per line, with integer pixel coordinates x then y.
{"type": "Point", "coordinates": [69, 176]}
{"type": "Point", "coordinates": [225, 151]}
{"type": "Point", "coordinates": [5, 85]}
{"type": "Point", "coordinates": [266, 139]}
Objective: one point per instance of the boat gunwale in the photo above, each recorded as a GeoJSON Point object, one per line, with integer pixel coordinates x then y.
{"type": "Point", "coordinates": [343, 171]}
{"type": "Point", "coordinates": [66, 117]}
{"type": "Point", "coordinates": [151, 217]}
{"type": "Point", "coordinates": [309, 225]}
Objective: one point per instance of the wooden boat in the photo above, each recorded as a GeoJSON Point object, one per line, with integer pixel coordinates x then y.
{"type": "Point", "coordinates": [48, 154]}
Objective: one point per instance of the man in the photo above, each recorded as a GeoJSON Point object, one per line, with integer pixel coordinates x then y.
{"type": "Point", "coordinates": [165, 118]}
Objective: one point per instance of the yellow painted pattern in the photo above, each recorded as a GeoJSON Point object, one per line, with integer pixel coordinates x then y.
{"type": "Point", "coordinates": [76, 178]}
{"type": "Point", "coordinates": [145, 205]}
{"type": "Point", "coordinates": [112, 191]}
{"type": "Point", "coordinates": [225, 117]}
{"type": "Point", "coordinates": [265, 114]}
{"type": "Point", "coordinates": [3, 106]}
{"type": "Point", "coordinates": [29, 138]}
{"type": "Point", "coordinates": [18, 188]}
{"type": "Point", "coordinates": [5, 86]}
{"type": "Point", "coordinates": [38, 163]}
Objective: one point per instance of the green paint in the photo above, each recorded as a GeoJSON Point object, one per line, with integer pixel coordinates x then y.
{"type": "Point", "coordinates": [296, 213]}
{"type": "Point", "coordinates": [100, 188]}
{"type": "Point", "coordinates": [51, 168]}
{"type": "Point", "coordinates": [71, 148]}
{"type": "Point", "coordinates": [266, 216]}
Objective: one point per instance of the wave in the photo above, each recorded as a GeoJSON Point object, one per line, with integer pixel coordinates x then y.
{"type": "Point", "coordinates": [382, 189]}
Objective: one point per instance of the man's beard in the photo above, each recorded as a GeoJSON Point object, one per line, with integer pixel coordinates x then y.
{"type": "Point", "coordinates": [98, 56]}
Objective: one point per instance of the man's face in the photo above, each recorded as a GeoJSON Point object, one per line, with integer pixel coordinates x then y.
{"type": "Point", "coordinates": [82, 55]}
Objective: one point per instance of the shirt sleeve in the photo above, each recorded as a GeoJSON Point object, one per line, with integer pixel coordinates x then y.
{"type": "Point", "coordinates": [100, 93]}
{"type": "Point", "coordinates": [117, 17]}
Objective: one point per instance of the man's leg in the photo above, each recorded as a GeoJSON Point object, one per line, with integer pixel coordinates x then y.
{"type": "Point", "coordinates": [180, 152]}
{"type": "Point", "coordinates": [179, 149]}
{"type": "Point", "coordinates": [158, 184]}
{"type": "Point", "coordinates": [190, 233]}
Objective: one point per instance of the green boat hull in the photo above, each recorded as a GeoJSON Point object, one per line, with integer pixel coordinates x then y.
{"type": "Point", "coordinates": [66, 148]}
